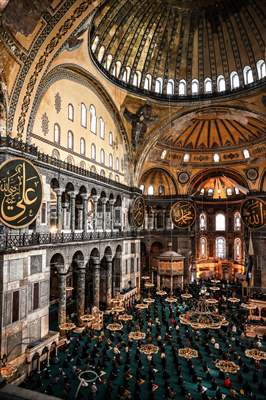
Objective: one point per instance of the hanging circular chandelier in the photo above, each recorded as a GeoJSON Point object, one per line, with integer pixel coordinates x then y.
{"type": "Point", "coordinates": [114, 327]}
{"type": "Point", "coordinates": [161, 293]}
{"type": "Point", "coordinates": [148, 300]}
{"type": "Point", "coordinates": [142, 306]}
{"type": "Point", "coordinates": [171, 299]}
{"type": "Point", "coordinates": [136, 335]}
{"type": "Point", "coordinates": [188, 353]}
{"type": "Point", "coordinates": [125, 317]}
{"type": "Point", "coordinates": [149, 285]}
{"type": "Point", "coordinates": [256, 354]}
{"type": "Point", "coordinates": [227, 366]}
{"type": "Point", "coordinates": [186, 296]}
{"type": "Point", "coordinates": [233, 300]}
{"type": "Point", "coordinates": [149, 349]}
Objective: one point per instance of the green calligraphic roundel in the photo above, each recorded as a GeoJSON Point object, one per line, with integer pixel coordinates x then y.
{"type": "Point", "coordinates": [253, 213]}
{"type": "Point", "coordinates": [137, 212]}
{"type": "Point", "coordinates": [20, 193]}
{"type": "Point", "coordinates": [183, 214]}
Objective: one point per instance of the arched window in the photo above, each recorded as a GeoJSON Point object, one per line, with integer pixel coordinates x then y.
{"type": "Point", "coordinates": [56, 154]}
{"type": "Point", "coordinates": [70, 140]}
{"type": "Point", "coordinates": [109, 61]}
{"type": "Point", "coordinates": [82, 146]}
{"type": "Point", "coordinates": [248, 75]}
{"type": "Point", "coordinates": [220, 247]}
{"type": "Point", "coordinates": [220, 222]}
{"type": "Point", "coordinates": [163, 154]}
{"type": "Point", "coordinates": [92, 119]}
{"type": "Point", "coordinates": [110, 175]}
{"type": "Point", "coordinates": [111, 138]}
{"type": "Point", "coordinates": [216, 157]}
{"type": "Point", "coordinates": [117, 178]}
{"type": "Point", "coordinates": [221, 83]}
{"type": "Point", "coordinates": [117, 68]}
{"type": "Point", "coordinates": [158, 85]}
{"type": "Point", "coordinates": [237, 249]}
{"type": "Point", "coordinates": [57, 133]}
{"type": "Point", "coordinates": [246, 153]}
{"type": "Point", "coordinates": [83, 115]}
{"type": "Point", "coordinates": [110, 161]}
{"type": "Point", "coordinates": [237, 221]}
{"type": "Point", "coordinates": [142, 188]}
{"type": "Point", "coordinates": [150, 190]}
{"type": "Point", "coordinates": [101, 53]}
{"type": "Point", "coordinates": [234, 79]}
{"type": "Point", "coordinates": [102, 173]}
{"type": "Point", "coordinates": [117, 164]}
{"type": "Point", "coordinates": [161, 190]}
{"type": "Point", "coordinates": [182, 88]}
{"type": "Point", "coordinates": [203, 221]}
{"type": "Point", "coordinates": [195, 86]}
{"type": "Point", "coordinates": [93, 151]}
{"type": "Point", "coordinates": [102, 156]}
{"type": "Point", "coordinates": [147, 82]}
{"type": "Point", "coordinates": [102, 128]}
{"type": "Point", "coordinates": [261, 68]}
{"type": "Point", "coordinates": [95, 43]}
{"type": "Point", "coordinates": [186, 157]}
{"type": "Point", "coordinates": [203, 247]}
{"type": "Point", "coordinates": [70, 112]}
{"type": "Point", "coordinates": [207, 85]}
{"type": "Point", "coordinates": [170, 87]}
{"type": "Point", "coordinates": [93, 169]}
{"type": "Point", "coordinates": [135, 80]}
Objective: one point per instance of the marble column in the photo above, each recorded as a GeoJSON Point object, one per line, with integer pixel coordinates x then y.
{"type": "Point", "coordinates": [109, 278]}
{"type": "Point", "coordinates": [59, 211]}
{"type": "Point", "coordinates": [112, 202]}
{"type": "Point", "coordinates": [163, 220]}
{"type": "Point", "coordinates": [104, 201]}
{"type": "Point", "coordinates": [158, 281]}
{"type": "Point", "coordinates": [62, 295]}
{"type": "Point", "coordinates": [85, 212]}
{"type": "Point", "coordinates": [95, 201]}
{"type": "Point", "coordinates": [96, 281]}
{"type": "Point", "coordinates": [72, 196]}
{"type": "Point", "coordinates": [81, 272]}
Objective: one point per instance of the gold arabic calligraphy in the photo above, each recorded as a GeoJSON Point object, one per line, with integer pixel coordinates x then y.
{"type": "Point", "coordinates": [183, 214]}
{"type": "Point", "coordinates": [253, 212]}
{"type": "Point", "coordinates": [138, 212]}
{"type": "Point", "coordinates": [20, 193]}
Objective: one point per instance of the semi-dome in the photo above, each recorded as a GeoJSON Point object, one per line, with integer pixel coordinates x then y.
{"type": "Point", "coordinates": [181, 48]}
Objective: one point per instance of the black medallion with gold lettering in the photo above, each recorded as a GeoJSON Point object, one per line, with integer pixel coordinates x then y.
{"type": "Point", "coordinates": [137, 212]}
{"type": "Point", "coordinates": [20, 193]}
{"type": "Point", "coordinates": [253, 213]}
{"type": "Point", "coordinates": [183, 214]}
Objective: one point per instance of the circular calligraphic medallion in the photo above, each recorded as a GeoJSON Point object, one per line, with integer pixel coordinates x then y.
{"type": "Point", "coordinates": [253, 213]}
{"type": "Point", "coordinates": [183, 214]}
{"type": "Point", "coordinates": [20, 193]}
{"type": "Point", "coordinates": [252, 174]}
{"type": "Point", "coordinates": [137, 212]}
{"type": "Point", "coordinates": [183, 177]}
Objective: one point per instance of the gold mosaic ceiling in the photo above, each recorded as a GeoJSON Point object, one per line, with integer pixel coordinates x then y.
{"type": "Point", "coordinates": [207, 133]}
{"type": "Point", "coordinates": [179, 39]}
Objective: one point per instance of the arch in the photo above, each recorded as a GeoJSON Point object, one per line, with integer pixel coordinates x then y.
{"type": "Point", "coordinates": [182, 87]}
{"type": "Point", "coordinates": [248, 75]}
{"type": "Point", "coordinates": [195, 87]}
{"type": "Point", "coordinates": [220, 221]}
{"type": "Point", "coordinates": [147, 82]}
{"type": "Point", "coordinates": [83, 110]}
{"type": "Point", "coordinates": [111, 138]}
{"type": "Point", "coordinates": [78, 256]}
{"type": "Point", "coordinates": [82, 146]}
{"type": "Point", "coordinates": [150, 190]}
{"type": "Point", "coordinates": [110, 161]}
{"type": "Point", "coordinates": [237, 221]}
{"type": "Point", "coordinates": [93, 120]}
{"type": "Point", "coordinates": [237, 249]}
{"type": "Point", "coordinates": [101, 53]}
{"type": "Point", "coordinates": [102, 156]}
{"type": "Point", "coordinates": [95, 43]}
{"type": "Point", "coordinates": [56, 154]}
{"type": "Point", "coordinates": [158, 177]}
{"type": "Point", "coordinates": [93, 151]}
{"type": "Point", "coordinates": [234, 80]}
{"type": "Point", "coordinates": [102, 173]}
{"type": "Point", "coordinates": [203, 247]}
{"type": "Point", "coordinates": [221, 87]}
{"type": "Point", "coordinates": [220, 247]}
{"type": "Point", "coordinates": [203, 221]}
{"type": "Point", "coordinates": [170, 87]}
{"type": "Point", "coordinates": [158, 85]}
{"type": "Point", "coordinates": [109, 60]}
{"type": "Point", "coordinates": [102, 128]}
{"type": "Point", "coordinates": [207, 85]}
{"type": "Point", "coordinates": [70, 140]}
{"type": "Point", "coordinates": [57, 133]}
{"type": "Point", "coordinates": [117, 68]}
{"type": "Point", "coordinates": [261, 69]}
{"type": "Point", "coordinates": [70, 112]}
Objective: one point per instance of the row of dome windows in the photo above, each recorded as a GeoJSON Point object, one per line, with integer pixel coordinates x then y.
{"type": "Point", "coordinates": [82, 148]}
{"type": "Point", "coordinates": [182, 85]}
{"type": "Point", "coordinates": [220, 248]}
{"type": "Point", "coordinates": [216, 156]}
{"type": "Point", "coordinates": [92, 120]}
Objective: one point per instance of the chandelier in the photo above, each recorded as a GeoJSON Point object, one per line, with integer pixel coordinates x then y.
{"type": "Point", "coordinates": [188, 353]}
{"type": "Point", "coordinates": [256, 354]}
{"type": "Point", "coordinates": [149, 349]}
{"type": "Point", "coordinates": [227, 366]}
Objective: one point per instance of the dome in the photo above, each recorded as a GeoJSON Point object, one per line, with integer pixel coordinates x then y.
{"type": "Point", "coordinates": [181, 48]}
{"type": "Point", "coordinates": [159, 180]}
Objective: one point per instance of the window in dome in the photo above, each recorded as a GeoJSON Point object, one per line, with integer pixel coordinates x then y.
{"type": "Point", "coordinates": [210, 192]}
{"type": "Point", "coordinates": [82, 146]}
{"type": "Point", "coordinates": [203, 221]}
{"type": "Point", "coordinates": [117, 68]}
{"type": "Point", "coordinates": [57, 133]}
{"type": "Point", "coordinates": [163, 154]}
{"type": "Point", "coordinates": [158, 85]}
{"type": "Point", "coordinates": [182, 88]}
{"type": "Point", "coordinates": [207, 85]}
{"type": "Point", "coordinates": [186, 157]}
{"type": "Point", "coordinates": [93, 151]}
{"type": "Point", "coordinates": [161, 190]}
{"type": "Point", "coordinates": [220, 247]}
{"type": "Point", "coordinates": [237, 249]}
{"type": "Point", "coordinates": [237, 221]}
{"type": "Point", "coordinates": [261, 68]}
{"type": "Point", "coordinates": [234, 78]}
{"type": "Point", "coordinates": [70, 140]}
{"type": "Point", "coordinates": [102, 156]}
{"type": "Point", "coordinates": [83, 115]}
{"type": "Point", "coordinates": [142, 188]}
{"type": "Point", "coordinates": [195, 86]}
{"type": "Point", "coordinates": [150, 190]}
{"type": "Point", "coordinates": [135, 80]}
{"type": "Point", "coordinates": [110, 138]}
{"type": "Point", "coordinates": [102, 128]}
{"type": "Point", "coordinates": [109, 61]}
{"type": "Point", "coordinates": [110, 161]}
{"type": "Point", "coordinates": [229, 192]}
{"type": "Point", "coordinates": [246, 153]}
{"type": "Point", "coordinates": [221, 83]}
{"type": "Point", "coordinates": [248, 75]}
{"type": "Point", "coordinates": [170, 87]}
{"type": "Point", "coordinates": [70, 112]}
{"type": "Point", "coordinates": [92, 119]}
{"type": "Point", "coordinates": [237, 190]}
{"type": "Point", "coordinates": [203, 247]}
{"type": "Point", "coordinates": [95, 43]}
{"type": "Point", "coordinates": [101, 53]}
{"type": "Point", "coordinates": [220, 222]}
{"type": "Point", "coordinates": [216, 157]}
{"type": "Point", "coordinates": [147, 82]}
{"type": "Point", "coordinates": [202, 192]}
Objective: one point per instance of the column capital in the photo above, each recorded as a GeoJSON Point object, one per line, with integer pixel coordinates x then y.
{"type": "Point", "coordinates": [72, 194]}
{"type": "Point", "coordinates": [58, 191]}
{"type": "Point", "coordinates": [60, 269]}
{"type": "Point", "coordinates": [109, 258]}
{"type": "Point", "coordinates": [104, 200]}
{"type": "Point", "coordinates": [80, 265]}
{"type": "Point", "coordinates": [95, 197]}
{"type": "Point", "coordinates": [84, 196]}
{"type": "Point", "coordinates": [95, 260]}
